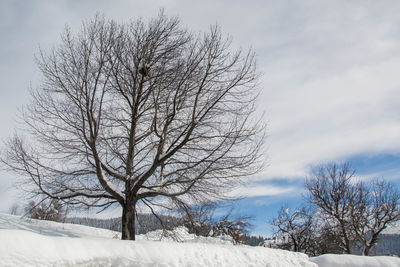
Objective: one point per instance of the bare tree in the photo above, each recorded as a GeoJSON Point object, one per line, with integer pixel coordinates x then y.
{"type": "Point", "coordinates": [330, 188]}
{"type": "Point", "coordinates": [359, 210]}
{"type": "Point", "coordinates": [295, 229]}
{"type": "Point", "coordinates": [375, 208]}
{"type": "Point", "coordinates": [133, 112]}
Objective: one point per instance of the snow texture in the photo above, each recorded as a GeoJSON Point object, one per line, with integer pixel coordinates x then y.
{"type": "Point", "coordinates": [332, 260]}
{"type": "Point", "coordinates": [28, 242]}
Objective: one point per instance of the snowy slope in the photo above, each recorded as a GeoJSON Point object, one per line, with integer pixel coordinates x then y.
{"type": "Point", "coordinates": [49, 228]}
{"type": "Point", "coordinates": [25, 248]}
{"type": "Point", "coordinates": [27, 242]}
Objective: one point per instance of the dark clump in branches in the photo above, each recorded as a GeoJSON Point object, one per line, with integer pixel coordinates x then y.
{"type": "Point", "coordinates": [139, 113]}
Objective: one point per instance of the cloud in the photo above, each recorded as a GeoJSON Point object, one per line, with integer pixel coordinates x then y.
{"type": "Point", "coordinates": [330, 87]}
{"type": "Point", "coordinates": [9, 195]}
{"type": "Point", "coordinates": [337, 117]}
{"type": "Point", "coordinates": [257, 190]}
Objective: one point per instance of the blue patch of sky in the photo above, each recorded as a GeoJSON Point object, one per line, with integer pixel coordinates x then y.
{"type": "Point", "coordinates": [385, 166]}
{"type": "Point", "coordinates": [263, 209]}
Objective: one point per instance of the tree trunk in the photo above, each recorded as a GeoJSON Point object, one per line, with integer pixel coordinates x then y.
{"type": "Point", "coordinates": [128, 220]}
{"type": "Point", "coordinates": [345, 237]}
{"type": "Point", "coordinates": [347, 243]}
{"type": "Point", "coordinates": [295, 248]}
{"type": "Point", "coordinates": [372, 242]}
{"type": "Point", "coordinates": [366, 250]}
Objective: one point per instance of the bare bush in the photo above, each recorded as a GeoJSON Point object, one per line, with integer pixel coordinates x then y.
{"type": "Point", "coordinates": [295, 230]}
{"type": "Point", "coordinates": [50, 210]}
{"type": "Point", "coordinates": [236, 228]}
{"type": "Point", "coordinates": [201, 220]}
{"type": "Point", "coordinates": [198, 219]}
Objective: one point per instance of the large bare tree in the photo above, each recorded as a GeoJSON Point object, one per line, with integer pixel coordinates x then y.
{"type": "Point", "coordinates": [138, 112]}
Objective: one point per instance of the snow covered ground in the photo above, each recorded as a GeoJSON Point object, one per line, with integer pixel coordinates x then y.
{"type": "Point", "coordinates": [333, 260]}
{"type": "Point", "coordinates": [27, 242]}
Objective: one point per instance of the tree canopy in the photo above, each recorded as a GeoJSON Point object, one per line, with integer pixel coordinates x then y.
{"type": "Point", "coordinates": [139, 111]}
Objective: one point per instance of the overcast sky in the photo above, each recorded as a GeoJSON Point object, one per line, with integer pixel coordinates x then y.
{"type": "Point", "coordinates": [330, 85]}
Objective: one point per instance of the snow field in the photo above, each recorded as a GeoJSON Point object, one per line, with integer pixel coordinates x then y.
{"type": "Point", "coordinates": [24, 248]}
{"type": "Point", "coordinates": [28, 242]}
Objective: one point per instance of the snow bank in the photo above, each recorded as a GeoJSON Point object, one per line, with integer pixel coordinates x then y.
{"type": "Point", "coordinates": [40, 243]}
{"type": "Point", "coordinates": [27, 242]}
{"type": "Point", "coordinates": [23, 248]}
{"type": "Point", "coordinates": [333, 260]}
{"type": "Point", "coordinates": [50, 228]}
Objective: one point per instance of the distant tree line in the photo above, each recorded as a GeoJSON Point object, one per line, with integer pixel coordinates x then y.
{"type": "Point", "coordinates": [344, 214]}
{"type": "Point", "coordinates": [144, 223]}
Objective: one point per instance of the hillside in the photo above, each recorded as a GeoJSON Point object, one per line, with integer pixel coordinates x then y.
{"type": "Point", "coordinates": [27, 242]}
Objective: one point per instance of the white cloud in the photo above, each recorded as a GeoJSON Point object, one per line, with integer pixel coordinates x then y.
{"type": "Point", "coordinates": [330, 85]}
{"type": "Point", "coordinates": [336, 117]}
{"type": "Point", "coordinates": [258, 190]}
